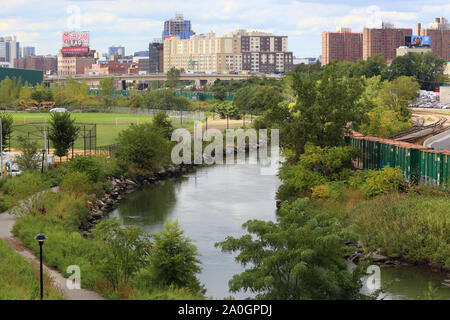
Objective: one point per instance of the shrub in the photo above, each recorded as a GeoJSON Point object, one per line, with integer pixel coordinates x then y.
{"type": "Point", "coordinates": [124, 252]}
{"type": "Point", "coordinates": [25, 185]}
{"type": "Point", "coordinates": [29, 157]}
{"type": "Point", "coordinates": [382, 181]}
{"type": "Point", "coordinates": [78, 183]}
{"type": "Point", "coordinates": [89, 165]}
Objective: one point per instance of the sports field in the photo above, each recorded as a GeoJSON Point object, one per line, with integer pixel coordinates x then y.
{"type": "Point", "coordinates": [108, 124]}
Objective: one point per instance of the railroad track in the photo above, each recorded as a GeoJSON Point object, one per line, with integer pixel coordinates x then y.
{"type": "Point", "coordinates": [418, 132]}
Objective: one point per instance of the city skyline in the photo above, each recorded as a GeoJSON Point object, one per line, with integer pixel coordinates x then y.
{"type": "Point", "coordinates": [121, 21]}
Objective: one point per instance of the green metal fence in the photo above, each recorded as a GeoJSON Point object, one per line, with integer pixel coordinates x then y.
{"type": "Point", "coordinates": [418, 163]}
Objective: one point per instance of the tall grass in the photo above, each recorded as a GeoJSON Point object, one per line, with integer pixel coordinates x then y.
{"type": "Point", "coordinates": [410, 226]}
{"type": "Point", "coordinates": [19, 279]}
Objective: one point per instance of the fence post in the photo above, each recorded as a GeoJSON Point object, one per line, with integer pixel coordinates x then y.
{"type": "Point", "coordinates": [84, 139]}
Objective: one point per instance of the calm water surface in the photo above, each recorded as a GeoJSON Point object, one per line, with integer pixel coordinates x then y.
{"type": "Point", "coordinates": [213, 203]}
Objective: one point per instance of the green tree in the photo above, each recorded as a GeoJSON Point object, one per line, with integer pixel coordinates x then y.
{"type": "Point", "coordinates": [227, 109]}
{"type": "Point", "coordinates": [28, 158]}
{"type": "Point", "coordinates": [428, 69]}
{"type": "Point", "coordinates": [165, 99]}
{"type": "Point", "coordinates": [125, 251]}
{"type": "Point", "coordinates": [41, 93]}
{"type": "Point", "coordinates": [174, 258]}
{"type": "Point", "coordinates": [62, 132]}
{"type": "Point", "coordinates": [144, 148]}
{"type": "Point", "coordinates": [162, 121]}
{"type": "Point", "coordinates": [7, 128]}
{"type": "Point", "coordinates": [108, 86]}
{"type": "Point", "coordinates": [220, 92]}
{"type": "Point", "coordinates": [173, 77]}
{"type": "Point", "coordinates": [322, 110]}
{"type": "Point", "coordinates": [300, 256]}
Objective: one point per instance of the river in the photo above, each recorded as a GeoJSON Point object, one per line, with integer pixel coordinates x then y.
{"type": "Point", "coordinates": [213, 202]}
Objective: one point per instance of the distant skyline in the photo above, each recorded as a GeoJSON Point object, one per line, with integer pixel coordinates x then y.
{"type": "Point", "coordinates": [134, 24]}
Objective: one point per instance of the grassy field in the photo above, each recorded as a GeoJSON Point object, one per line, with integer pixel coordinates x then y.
{"type": "Point", "coordinates": [108, 124]}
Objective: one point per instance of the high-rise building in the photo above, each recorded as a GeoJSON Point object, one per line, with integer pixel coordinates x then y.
{"type": "Point", "coordinates": [9, 49]}
{"type": "Point", "coordinates": [177, 27]}
{"type": "Point", "coordinates": [342, 45]}
{"type": "Point", "coordinates": [384, 41]}
{"type": "Point", "coordinates": [265, 53]}
{"type": "Point", "coordinates": [203, 53]}
{"type": "Point", "coordinates": [46, 64]}
{"type": "Point", "coordinates": [28, 52]}
{"type": "Point", "coordinates": [439, 31]}
{"type": "Point", "coordinates": [156, 56]}
{"type": "Point", "coordinates": [116, 51]}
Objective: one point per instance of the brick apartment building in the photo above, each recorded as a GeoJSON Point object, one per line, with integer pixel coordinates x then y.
{"type": "Point", "coordinates": [384, 41]}
{"type": "Point", "coordinates": [342, 45]}
{"type": "Point", "coordinates": [439, 31]}
{"type": "Point", "coordinates": [73, 64]}
{"type": "Point", "coordinates": [46, 64]}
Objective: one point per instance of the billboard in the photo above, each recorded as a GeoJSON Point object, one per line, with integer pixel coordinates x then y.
{"type": "Point", "coordinates": [75, 42]}
{"type": "Point", "coordinates": [418, 41]}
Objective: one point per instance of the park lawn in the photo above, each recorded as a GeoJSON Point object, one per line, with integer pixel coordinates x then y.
{"type": "Point", "coordinates": [19, 279]}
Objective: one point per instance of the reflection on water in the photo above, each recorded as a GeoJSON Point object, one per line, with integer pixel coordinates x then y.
{"type": "Point", "coordinates": [213, 203]}
{"type": "Point", "coordinates": [210, 204]}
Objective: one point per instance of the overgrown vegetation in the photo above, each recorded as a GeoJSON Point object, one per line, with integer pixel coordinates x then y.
{"type": "Point", "coordinates": [19, 279]}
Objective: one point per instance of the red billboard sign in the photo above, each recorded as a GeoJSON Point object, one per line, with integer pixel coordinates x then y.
{"type": "Point", "coordinates": [77, 39]}
{"type": "Point", "coordinates": [75, 50]}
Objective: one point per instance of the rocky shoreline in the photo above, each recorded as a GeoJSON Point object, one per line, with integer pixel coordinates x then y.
{"type": "Point", "coordinates": [121, 186]}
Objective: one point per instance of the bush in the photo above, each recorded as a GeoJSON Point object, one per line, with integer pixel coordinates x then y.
{"type": "Point", "coordinates": [79, 184]}
{"type": "Point", "coordinates": [89, 165]}
{"type": "Point", "coordinates": [382, 181]}
{"type": "Point", "coordinates": [25, 185]}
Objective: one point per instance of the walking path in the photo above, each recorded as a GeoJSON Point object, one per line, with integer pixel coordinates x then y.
{"type": "Point", "coordinates": [6, 224]}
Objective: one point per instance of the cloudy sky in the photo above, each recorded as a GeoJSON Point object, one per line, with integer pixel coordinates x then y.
{"type": "Point", "coordinates": [133, 23]}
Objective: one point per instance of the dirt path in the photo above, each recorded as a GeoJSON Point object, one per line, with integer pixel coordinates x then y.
{"type": "Point", "coordinates": [6, 224]}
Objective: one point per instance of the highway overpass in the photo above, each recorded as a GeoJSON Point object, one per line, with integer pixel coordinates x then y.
{"type": "Point", "coordinates": [198, 78]}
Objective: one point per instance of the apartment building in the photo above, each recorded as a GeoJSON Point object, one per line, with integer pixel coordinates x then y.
{"type": "Point", "coordinates": [73, 64]}
{"type": "Point", "coordinates": [342, 45]}
{"type": "Point", "coordinates": [203, 53]}
{"type": "Point", "coordinates": [265, 53]}
{"type": "Point", "coordinates": [439, 31]}
{"type": "Point", "coordinates": [46, 64]}
{"type": "Point", "coordinates": [384, 41]}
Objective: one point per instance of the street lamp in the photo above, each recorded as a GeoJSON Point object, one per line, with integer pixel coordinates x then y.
{"type": "Point", "coordinates": [41, 238]}
{"type": "Point", "coordinates": [43, 155]}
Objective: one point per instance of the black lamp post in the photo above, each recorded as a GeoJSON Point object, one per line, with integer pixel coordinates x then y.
{"type": "Point", "coordinates": [41, 238]}
{"type": "Point", "coordinates": [43, 155]}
